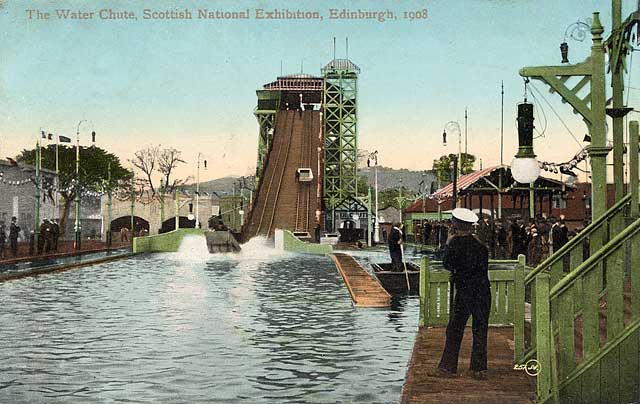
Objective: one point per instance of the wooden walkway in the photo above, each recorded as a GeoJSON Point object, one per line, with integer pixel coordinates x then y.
{"type": "Point", "coordinates": [504, 385]}
{"type": "Point", "coordinates": [364, 289]}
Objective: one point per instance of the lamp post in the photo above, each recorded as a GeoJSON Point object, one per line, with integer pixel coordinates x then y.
{"type": "Point", "coordinates": [161, 203]}
{"type": "Point", "coordinates": [109, 205]}
{"type": "Point", "coordinates": [454, 126]}
{"type": "Point", "coordinates": [456, 160]}
{"type": "Point", "coordinates": [524, 167]}
{"type": "Point", "coordinates": [376, 224]}
{"type": "Point", "coordinates": [198, 190]}
{"type": "Point", "coordinates": [77, 242]}
{"type": "Point", "coordinates": [36, 231]}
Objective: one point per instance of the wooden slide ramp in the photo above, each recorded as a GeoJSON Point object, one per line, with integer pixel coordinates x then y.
{"type": "Point", "coordinates": [364, 289]}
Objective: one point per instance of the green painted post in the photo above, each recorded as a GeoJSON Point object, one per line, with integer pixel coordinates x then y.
{"type": "Point", "coordinates": [633, 170]}
{"type": "Point", "coordinates": [518, 308]}
{"type": "Point", "coordinates": [161, 202]}
{"type": "Point", "coordinates": [36, 232]}
{"type": "Point", "coordinates": [177, 191]}
{"type": "Point", "coordinates": [564, 315]}
{"type": "Point", "coordinates": [424, 291]}
{"type": "Point", "coordinates": [617, 84]}
{"type": "Point", "coordinates": [591, 287]}
{"type": "Point", "coordinates": [598, 149]}
{"type": "Point", "coordinates": [615, 304]}
{"type": "Point", "coordinates": [424, 266]}
{"type": "Point", "coordinates": [543, 337]}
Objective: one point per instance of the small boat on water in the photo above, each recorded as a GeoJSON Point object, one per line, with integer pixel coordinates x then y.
{"type": "Point", "coordinates": [219, 237]}
{"type": "Point", "coordinates": [395, 282]}
{"type": "Point", "coordinates": [221, 241]}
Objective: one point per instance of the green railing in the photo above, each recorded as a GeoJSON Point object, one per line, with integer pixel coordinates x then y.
{"type": "Point", "coordinates": [435, 292]}
{"type": "Point", "coordinates": [567, 258]}
{"type": "Point", "coordinates": [606, 368]}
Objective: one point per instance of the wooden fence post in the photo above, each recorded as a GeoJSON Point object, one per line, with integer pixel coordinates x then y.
{"type": "Point", "coordinates": [424, 291]}
{"type": "Point", "coordinates": [543, 337]}
{"type": "Point", "coordinates": [518, 308]}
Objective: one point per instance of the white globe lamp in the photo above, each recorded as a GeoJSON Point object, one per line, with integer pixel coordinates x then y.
{"type": "Point", "coordinates": [525, 169]}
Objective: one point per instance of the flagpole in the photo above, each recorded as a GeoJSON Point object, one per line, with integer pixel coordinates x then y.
{"type": "Point", "coordinates": [57, 208]}
{"type": "Point", "coordinates": [37, 215]}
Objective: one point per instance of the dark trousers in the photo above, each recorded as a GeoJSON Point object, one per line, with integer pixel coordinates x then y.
{"type": "Point", "coordinates": [13, 243]}
{"type": "Point", "coordinates": [396, 259]}
{"type": "Point", "coordinates": [475, 302]}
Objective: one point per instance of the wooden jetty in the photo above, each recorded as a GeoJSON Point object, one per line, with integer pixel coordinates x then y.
{"type": "Point", "coordinates": [503, 385]}
{"type": "Point", "coordinates": [364, 289]}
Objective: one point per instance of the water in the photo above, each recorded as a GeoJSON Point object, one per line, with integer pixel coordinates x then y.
{"type": "Point", "coordinates": [256, 327]}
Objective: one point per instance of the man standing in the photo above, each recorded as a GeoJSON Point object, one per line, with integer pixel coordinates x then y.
{"type": "Point", "coordinates": [3, 238]}
{"type": "Point", "coordinates": [468, 260]}
{"type": "Point", "coordinates": [14, 230]}
{"type": "Point", "coordinates": [395, 247]}
{"type": "Point", "coordinates": [55, 234]}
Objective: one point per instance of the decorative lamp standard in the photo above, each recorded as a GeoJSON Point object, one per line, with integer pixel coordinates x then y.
{"type": "Point", "coordinates": [455, 165]}
{"type": "Point", "coordinates": [524, 167]}
{"type": "Point", "coordinates": [77, 242]}
{"type": "Point", "coordinates": [454, 126]}
{"type": "Point", "coordinates": [376, 224]}
{"type": "Point", "coordinates": [198, 190]}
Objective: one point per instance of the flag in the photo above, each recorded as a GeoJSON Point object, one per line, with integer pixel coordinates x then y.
{"type": "Point", "coordinates": [64, 139]}
{"type": "Point", "coordinates": [50, 136]}
{"type": "Point", "coordinates": [43, 135]}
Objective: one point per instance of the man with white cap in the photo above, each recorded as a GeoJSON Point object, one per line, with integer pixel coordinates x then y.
{"type": "Point", "coordinates": [468, 260]}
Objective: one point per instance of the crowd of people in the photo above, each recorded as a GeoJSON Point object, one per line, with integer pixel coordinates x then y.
{"type": "Point", "coordinates": [506, 239]}
{"type": "Point", "coordinates": [47, 240]}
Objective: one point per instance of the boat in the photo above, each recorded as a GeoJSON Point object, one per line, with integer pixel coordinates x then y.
{"type": "Point", "coordinates": [221, 241]}
{"type": "Point", "coordinates": [395, 282]}
{"type": "Point", "coordinates": [219, 238]}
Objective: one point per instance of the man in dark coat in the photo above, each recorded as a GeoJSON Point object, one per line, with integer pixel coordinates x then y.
{"type": "Point", "coordinates": [14, 230]}
{"type": "Point", "coordinates": [3, 237]}
{"type": "Point", "coordinates": [55, 234]}
{"type": "Point", "coordinates": [395, 247]}
{"type": "Point", "coordinates": [468, 260]}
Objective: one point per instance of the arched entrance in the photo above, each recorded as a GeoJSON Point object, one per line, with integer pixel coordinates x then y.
{"type": "Point", "coordinates": [170, 224]}
{"type": "Point", "coordinates": [125, 222]}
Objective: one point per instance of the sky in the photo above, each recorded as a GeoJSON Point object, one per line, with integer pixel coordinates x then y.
{"type": "Point", "coordinates": [190, 84]}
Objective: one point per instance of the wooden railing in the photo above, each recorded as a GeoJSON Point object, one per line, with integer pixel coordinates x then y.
{"type": "Point", "coordinates": [435, 292]}
{"type": "Point", "coordinates": [605, 368]}
{"type": "Point", "coordinates": [562, 262]}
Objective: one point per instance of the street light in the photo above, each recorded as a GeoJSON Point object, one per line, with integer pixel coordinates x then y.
{"type": "Point", "coordinates": [376, 224]}
{"type": "Point", "coordinates": [454, 126]}
{"type": "Point", "coordinates": [198, 190]}
{"type": "Point", "coordinates": [524, 167]}
{"type": "Point", "coordinates": [578, 31]}
{"type": "Point", "coordinates": [77, 242]}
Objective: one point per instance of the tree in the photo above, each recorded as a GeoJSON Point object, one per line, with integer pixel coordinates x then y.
{"type": "Point", "coordinates": [155, 160]}
{"type": "Point", "coordinates": [444, 166]}
{"type": "Point", "coordinates": [93, 173]}
{"type": "Point", "coordinates": [390, 197]}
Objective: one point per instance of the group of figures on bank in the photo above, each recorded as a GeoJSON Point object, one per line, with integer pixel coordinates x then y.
{"type": "Point", "coordinates": [536, 238]}
{"type": "Point", "coordinates": [48, 236]}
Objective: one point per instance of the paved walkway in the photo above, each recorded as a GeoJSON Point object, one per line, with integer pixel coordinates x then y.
{"type": "Point", "coordinates": [504, 385]}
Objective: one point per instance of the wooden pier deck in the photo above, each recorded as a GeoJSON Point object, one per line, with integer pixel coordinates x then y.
{"type": "Point", "coordinates": [504, 385]}
{"type": "Point", "coordinates": [364, 289]}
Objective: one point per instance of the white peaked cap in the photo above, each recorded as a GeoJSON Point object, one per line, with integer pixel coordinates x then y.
{"type": "Point", "coordinates": [464, 215]}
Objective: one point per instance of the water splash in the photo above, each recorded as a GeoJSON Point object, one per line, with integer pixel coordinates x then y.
{"type": "Point", "coordinates": [261, 249]}
{"type": "Point", "coordinates": [193, 248]}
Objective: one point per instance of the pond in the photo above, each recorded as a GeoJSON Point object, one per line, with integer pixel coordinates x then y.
{"type": "Point", "coordinates": [189, 327]}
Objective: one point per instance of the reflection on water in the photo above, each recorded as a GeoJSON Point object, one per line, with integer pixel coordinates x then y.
{"type": "Point", "coordinates": [256, 327]}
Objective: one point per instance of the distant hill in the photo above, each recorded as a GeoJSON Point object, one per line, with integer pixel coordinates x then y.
{"type": "Point", "coordinates": [390, 178]}
{"type": "Point", "coordinates": [387, 178]}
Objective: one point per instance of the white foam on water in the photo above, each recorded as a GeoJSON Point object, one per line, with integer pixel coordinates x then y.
{"type": "Point", "coordinates": [257, 250]}
{"type": "Point", "coordinates": [261, 249]}
{"type": "Point", "coordinates": [193, 248]}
